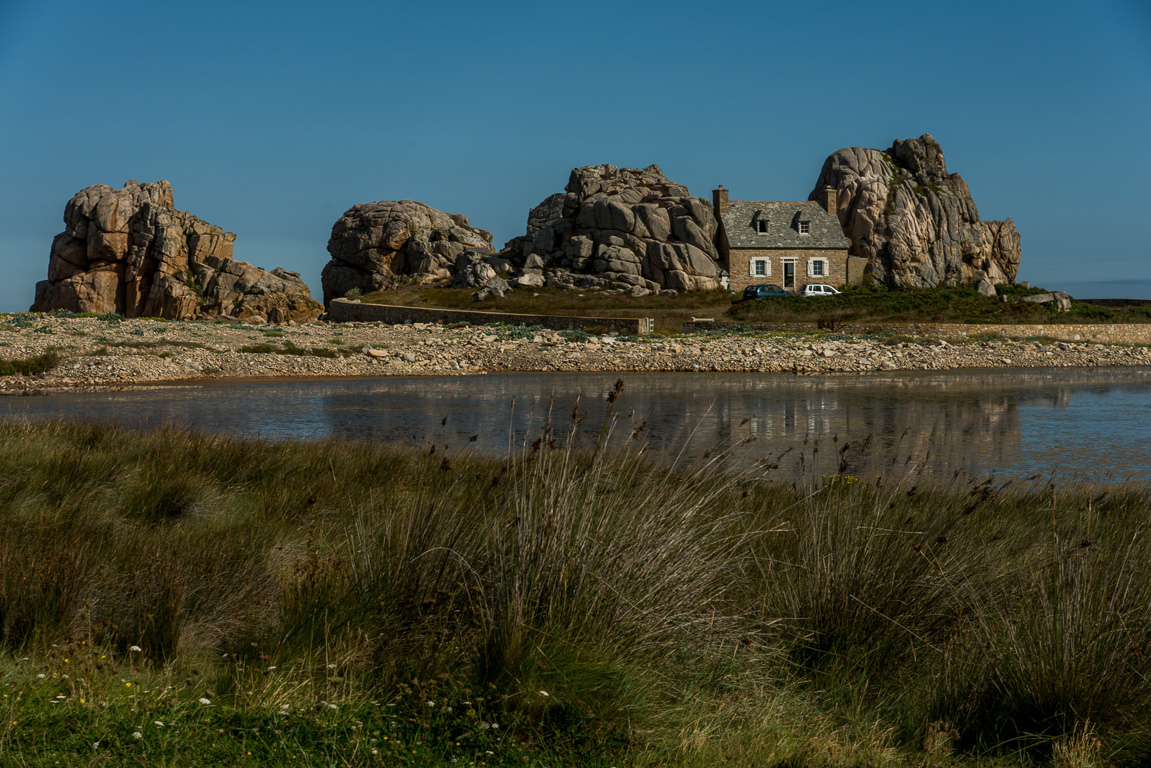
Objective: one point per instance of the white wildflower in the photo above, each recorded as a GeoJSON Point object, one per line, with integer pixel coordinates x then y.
{"type": "Point", "coordinates": [134, 649]}
{"type": "Point", "coordinates": [544, 694]}
{"type": "Point", "coordinates": [159, 723]}
{"type": "Point", "coordinates": [205, 702]}
{"type": "Point", "coordinates": [137, 735]}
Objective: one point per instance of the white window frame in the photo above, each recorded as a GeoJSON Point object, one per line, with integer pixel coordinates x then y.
{"type": "Point", "coordinates": [821, 260]}
{"type": "Point", "coordinates": [761, 226]}
{"type": "Point", "coordinates": [805, 227]}
{"type": "Point", "coordinates": [794, 262]}
{"type": "Point", "coordinates": [759, 260]}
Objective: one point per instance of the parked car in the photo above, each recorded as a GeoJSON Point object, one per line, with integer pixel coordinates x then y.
{"type": "Point", "coordinates": [764, 291]}
{"type": "Point", "coordinates": [818, 289]}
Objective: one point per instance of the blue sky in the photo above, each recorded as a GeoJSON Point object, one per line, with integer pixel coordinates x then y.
{"type": "Point", "coordinates": [271, 119]}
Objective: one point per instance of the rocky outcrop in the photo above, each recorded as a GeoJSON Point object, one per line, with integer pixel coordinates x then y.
{"type": "Point", "coordinates": [632, 226]}
{"type": "Point", "coordinates": [914, 222]}
{"type": "Point", "coordinates": [131, 252]}
{"type": "Point", "coordinates": [375, 245]}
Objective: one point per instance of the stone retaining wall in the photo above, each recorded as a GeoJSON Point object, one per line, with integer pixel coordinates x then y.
{"type": "Point", "coordinates": [1104, 333]}
{"type": "Point", "coordinates": [344, 311]}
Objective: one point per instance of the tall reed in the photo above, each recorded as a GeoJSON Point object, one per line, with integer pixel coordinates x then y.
{"type": "Point", "coordinates": [590, 593]}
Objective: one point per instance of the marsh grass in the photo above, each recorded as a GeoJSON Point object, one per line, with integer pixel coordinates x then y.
{"type": "Point", "coordinates": [555, 605]}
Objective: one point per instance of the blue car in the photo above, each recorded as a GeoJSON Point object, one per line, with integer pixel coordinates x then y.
{"type": "Point", "coordinates": [765, 291]}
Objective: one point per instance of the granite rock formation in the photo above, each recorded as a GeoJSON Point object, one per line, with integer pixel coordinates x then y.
{"type": "Point", "coordinates": [130, 251]}
{"type": "Point", "coordinates": [633, 226]}
{"type": "Point", "coordinates": [914, 222]}
{"type": "Point", "coordinates": [373, 245]}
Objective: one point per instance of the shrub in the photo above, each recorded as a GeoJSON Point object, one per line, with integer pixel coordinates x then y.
{"type": "Point", "coordinates": [32, 366]}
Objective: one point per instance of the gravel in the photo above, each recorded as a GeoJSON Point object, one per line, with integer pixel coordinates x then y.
{"type": "Point", "coordinates": [98, 353]}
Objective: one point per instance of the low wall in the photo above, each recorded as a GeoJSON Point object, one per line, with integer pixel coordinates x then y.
{"type": "Point", "coordinates": [345, 311]}
{"type": "Point", "coordinates": [1104, 333]}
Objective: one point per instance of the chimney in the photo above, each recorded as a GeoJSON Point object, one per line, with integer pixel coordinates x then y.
{"type": "Point", "coordinates": [719, 201]}
{"type": "Point", "coordinates": [830, 200]}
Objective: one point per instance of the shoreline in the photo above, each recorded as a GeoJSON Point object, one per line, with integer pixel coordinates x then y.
{"type": "Point", "coordinates": [101, 354]}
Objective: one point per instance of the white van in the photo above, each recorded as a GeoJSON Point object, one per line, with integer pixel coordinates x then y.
{"type": "Point", "coordinates": [818, 289]}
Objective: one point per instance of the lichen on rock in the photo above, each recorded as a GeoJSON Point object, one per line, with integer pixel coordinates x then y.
{"type": "Point", "coordinates": [374, 245]}
{"type": "Point", "coordinates": [914, 222]}
{"type": "Point", "coordinates": [632, 226]}
{"type": "Point", "coordinates": [131, 252]}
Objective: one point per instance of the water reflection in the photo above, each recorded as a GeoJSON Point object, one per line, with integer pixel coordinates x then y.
{"type": "Point", "coordinates": [1092, 424]}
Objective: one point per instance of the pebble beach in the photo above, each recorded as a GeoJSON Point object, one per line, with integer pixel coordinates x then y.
{"type": "Point", "coordinates": [93, 352]}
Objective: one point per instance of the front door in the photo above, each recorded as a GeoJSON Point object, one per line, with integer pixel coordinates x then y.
{"type": "Point", "coordinates": [789, 275]}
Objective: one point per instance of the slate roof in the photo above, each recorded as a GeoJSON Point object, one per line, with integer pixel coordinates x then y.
{"type": "Point", "coordinates": [783, 217]}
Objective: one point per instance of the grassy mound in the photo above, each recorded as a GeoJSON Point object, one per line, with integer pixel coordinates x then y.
{"type": "Point", "coordinates": [940, 305]}
{"type": "Point", "coordinates": [855, 305]}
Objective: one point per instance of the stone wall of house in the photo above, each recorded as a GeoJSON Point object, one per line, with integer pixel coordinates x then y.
{"type": "Point", "coordinates": [740, 260]}
{"type": "Point", "coordinates": [345, 311]}
{"type": "Point", "coordinates": [1098, 333]}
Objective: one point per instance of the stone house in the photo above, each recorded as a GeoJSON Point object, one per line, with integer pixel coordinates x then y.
{"type": "Point", "coordinates": [786, 242]}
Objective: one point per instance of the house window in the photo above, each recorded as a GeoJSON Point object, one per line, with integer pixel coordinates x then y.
{"type": "Point", "coordinates": [761, 226]}
{"type": "Point", "coordinates": [760, 268]}
{"type": "Point", "coordinates": [817, 267]}
{"type": "Point", "coordinates": [805, 227]}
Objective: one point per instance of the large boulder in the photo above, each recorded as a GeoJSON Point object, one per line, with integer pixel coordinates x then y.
{"type": "Point", "coordinates": [914, 222]}
{"type": "Point", "coordinates": [130, 251]}
{"type": "Point", "coordinates": [373, 245]}
{"type": "Point", "coordinates": [628, 225]}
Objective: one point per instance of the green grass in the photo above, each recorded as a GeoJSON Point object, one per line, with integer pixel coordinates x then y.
{"type": "Point", "coordinates": [31, 366]}
{"type": "Point", "coordinates": [291, 349]}
{"type": "Point", "coordinates": [551, 607]}
{"type": "Point", "coordinates": [944, 305]}
{"type": "Point", "coordinates": [854, 305]}
{"type": "Point", "coordinates": [669, 313]}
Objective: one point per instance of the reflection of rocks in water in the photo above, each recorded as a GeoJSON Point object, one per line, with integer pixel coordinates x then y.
{"type": "Point", "coordinates": [975, 437]}
{"type": "Point", "coordinates": [1015, 423]}
{"type": "Point", "coordinates": [896, 430]}
{"type": "Point", "coordinates": [897, 426]}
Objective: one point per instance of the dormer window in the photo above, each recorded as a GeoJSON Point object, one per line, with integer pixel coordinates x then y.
{"type": "Point", "coordinates": [761, 226]}
{"type": "Point", "coordinates": [805, 227]}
